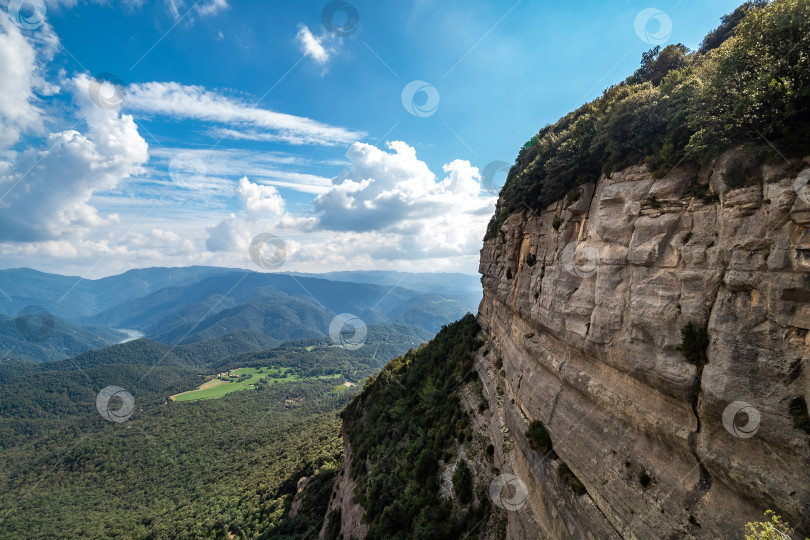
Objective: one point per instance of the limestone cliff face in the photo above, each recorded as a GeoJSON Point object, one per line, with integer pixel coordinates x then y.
{"type": "Point", "coordinates": [585, 322]}
{"type": "Point", "coordinates": [342, 504]}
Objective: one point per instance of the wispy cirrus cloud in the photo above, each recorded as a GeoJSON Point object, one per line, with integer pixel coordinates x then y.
{"type": "Point", "coordinates": [266, 168]}
{"type": "Point", "coordinates": [211, 7]}
{"type": "Point", "coordinates": [196, 103]}
{"type": "Point", "coordinates": [244, 135]}
{"type": "Point", "coordinates": [311, 46]}
{"type": "Point", "coordinates": [175, 8]}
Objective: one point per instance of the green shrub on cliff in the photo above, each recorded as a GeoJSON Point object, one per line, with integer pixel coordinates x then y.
{"type": "Point", "coordinates": [539, 437]}
{"type": "Point", "coordinates": [800, 414]}
{"type": "Point", "coordinates": [773, 529]}
{"type": "Point", "coordinates": [463, 482]}
{"type": "Point", "coordinates": [571, 479]}
{"type": "Point", "coordinates": [749, 80]}
{"type": "Point", "coordinates": [694, 344]}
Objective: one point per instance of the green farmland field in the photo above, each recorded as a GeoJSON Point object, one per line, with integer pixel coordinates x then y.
{"type": "Point", "coordinates": [217, 387]}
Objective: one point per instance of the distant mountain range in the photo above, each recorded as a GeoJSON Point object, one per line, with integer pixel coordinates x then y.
{"type": "Point", "coordinates": [446, 283]}
{"type": "Point", "coordinates": [195, 304]}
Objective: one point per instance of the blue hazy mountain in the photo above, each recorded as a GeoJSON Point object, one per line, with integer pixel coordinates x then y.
{"type": "Point", "coordinates": [196, 304]}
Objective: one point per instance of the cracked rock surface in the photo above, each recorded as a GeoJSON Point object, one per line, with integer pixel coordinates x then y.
{"type": "Point", "coordinates": [604, 299]}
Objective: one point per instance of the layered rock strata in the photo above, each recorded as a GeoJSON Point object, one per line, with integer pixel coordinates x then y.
{"type": "Point", "coordinates": [585, 320]}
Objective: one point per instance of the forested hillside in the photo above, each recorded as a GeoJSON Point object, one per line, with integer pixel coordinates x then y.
{"type": "Point", "coordinates": [41, 337]}
{"type": "Point", "coordinates": [209, 468]}
{"type": "Point", "coordinates": [404, 428]}
{"type": "Point", "coordinates": [222, 466]}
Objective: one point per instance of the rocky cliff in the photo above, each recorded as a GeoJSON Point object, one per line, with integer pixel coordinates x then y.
{"type": "Point", "coordinates": [584, 306]}
{"type": "Point", "coordinates": [657, 332]}
{"type": "Point", "coordinates": [643, 363]}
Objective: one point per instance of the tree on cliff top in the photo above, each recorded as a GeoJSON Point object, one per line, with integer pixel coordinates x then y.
{"type": "Point", "coordinates": [751, 80]}
{"type": "Point", "coordinates": [729, 22]}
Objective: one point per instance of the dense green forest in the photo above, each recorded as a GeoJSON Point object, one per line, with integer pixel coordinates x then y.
{"type": "Point", "coordinates": [747, 85]}
{"type": "Point", "coordinates": [405, 423]}
{"type": "Point", "coordinates": [209, 468]}
{"type": "Point", "coordinates": [202, 469]}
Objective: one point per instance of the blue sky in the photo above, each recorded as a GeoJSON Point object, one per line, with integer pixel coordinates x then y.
{"type": "Point", "coordinates": [235, 118]}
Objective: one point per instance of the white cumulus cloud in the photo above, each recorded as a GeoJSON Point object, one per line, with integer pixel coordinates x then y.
{"type": "Point", "coordinates": [387, 209]}
{"type": "Point", "coordinates": [19, 107]}
{"type": "Point", "coordinates": [228, 235]}
{"type": "Point", "coordinates": [259, 201]}
{"type": "Point", "coordinates": [45, 190]}
{"type": "Point", "coordinates": [395, 190]}
{"type": "Point", "coordinates": [262, 205]}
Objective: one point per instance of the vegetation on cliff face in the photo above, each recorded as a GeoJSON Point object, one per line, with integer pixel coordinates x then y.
{"type": "Point", "coordinates": [773, 529]}
{"type": "Point", "coordinates": [749, 81]}
{"type": "Point", "coordinates": [799, 413]}
{"type": "Point", "coordinates": [571, 479]}
{"type": "Point", "coordinates": [694, 344]}
{"type": "Point", "coordinates": [405, 422]}
{"type": "Point", "coordinates": [539, 438]}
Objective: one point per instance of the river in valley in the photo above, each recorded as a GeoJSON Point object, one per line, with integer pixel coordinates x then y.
{"type": "Point", "coordinates": [132, 335]}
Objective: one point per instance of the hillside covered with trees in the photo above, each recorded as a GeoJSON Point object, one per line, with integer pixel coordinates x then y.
{"type": "Point", "coordinates": [211, 468]}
